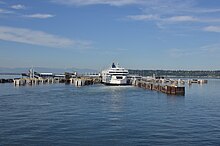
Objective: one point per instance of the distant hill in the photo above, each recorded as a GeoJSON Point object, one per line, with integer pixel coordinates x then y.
{"type": "Point", "coordinates": [44, 69]}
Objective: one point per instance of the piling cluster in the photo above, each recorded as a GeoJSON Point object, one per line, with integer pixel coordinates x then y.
{"type": "Point", "coordinates": [172, 89]}
{"type": "Point", "coordinates": [82, 81]}
{"type": "Point", "coordinates": [197, 81]}
{"type": "Point", "coordinates": [77, 81]}
{"type": "Point", "coordinates": [6, 80]}
{"type": "Point", "coordinates": [34, 81]}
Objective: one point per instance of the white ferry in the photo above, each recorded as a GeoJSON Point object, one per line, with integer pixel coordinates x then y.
{"type": "Point", "coordinates": [115, 75]}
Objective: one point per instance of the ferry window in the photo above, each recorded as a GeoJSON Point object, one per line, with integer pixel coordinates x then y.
{"type": "Point", "coordinates": [119, 77]}
{"type": "Point", "coordinates": [118, 72]}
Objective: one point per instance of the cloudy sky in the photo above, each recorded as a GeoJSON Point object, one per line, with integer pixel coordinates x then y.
{"type": "Point", "coordinates": [139, 34]}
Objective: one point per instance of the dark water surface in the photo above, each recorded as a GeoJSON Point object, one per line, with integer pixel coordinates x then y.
{"type": "Point", "coordinates": [61, 114]}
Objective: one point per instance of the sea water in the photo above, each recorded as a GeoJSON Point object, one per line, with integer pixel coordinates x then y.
{"type": "Point", "coordinates": [59, 114]}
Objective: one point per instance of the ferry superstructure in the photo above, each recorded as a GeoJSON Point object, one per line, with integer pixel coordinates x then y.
{"type": "Point", "coordinates": [115, 75]}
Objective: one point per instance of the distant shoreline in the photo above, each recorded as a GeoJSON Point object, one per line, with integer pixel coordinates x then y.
{"type": "Point", "coordinates": [177, 73]}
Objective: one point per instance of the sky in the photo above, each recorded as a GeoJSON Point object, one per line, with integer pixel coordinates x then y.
{"type": "Point", "coordinates": [137, 34]}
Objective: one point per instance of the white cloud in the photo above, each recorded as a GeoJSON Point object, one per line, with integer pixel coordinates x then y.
{"type": "Point", "coordinates": [149, 6]}
{"type": "Point", "coordinates": [163, 12]}
{"type": "Point", "coordinates": [158, 10]}
{"type": "Point", "coordinates": [142, 17]}
{"type": "Point", "coordinates": [181, 19]}
{"type": "Point", "coordinates": [165, 19]}
{"type": "Point", "coordinates": [173, 18]}
{"type": "Point", "coordinates": [18, 7]}
{"type": "Point", "coordinates": [27, 36]}
{"type": "Point", "coordinates": [166, 7]}
{"type": "Point", "coordinates": [169, 12]}
{"type": "Point", "coordinates": [94, 2]}
{"type": "Point", "coordinates": [39, 16]}
{"type": "Point", "coordinates": [212, 28]}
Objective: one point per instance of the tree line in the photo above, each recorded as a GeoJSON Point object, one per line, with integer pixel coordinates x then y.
{"type": "Point", "coordinates": [176, 73]}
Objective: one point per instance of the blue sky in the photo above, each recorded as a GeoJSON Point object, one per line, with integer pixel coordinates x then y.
{"type": "Point", "coordinates": [139, 34]}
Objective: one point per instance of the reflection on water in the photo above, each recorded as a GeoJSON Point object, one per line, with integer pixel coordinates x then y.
{"type": "Point", "coordinates": [61, 114]}
{"type": "Point", "coordinates": [175, 99]}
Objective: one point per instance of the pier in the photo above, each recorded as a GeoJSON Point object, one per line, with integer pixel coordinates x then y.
{"type": "Point", "coordinates": [77, 81]}
{"type": "Point", "coordinates": [168, 89]}
{"type": "Point", "coordinates": [34, 78]}
{"type": "Point", "coordinates": [159, 84]}
{"type": "Point", "coordinates": [167, 86]}
{"type": "Point", "coordinates": [197, 81]}
{"type": "Point", "coordinates": [83, 81]}
{"type": "Point", "coordinates": [34, 81]}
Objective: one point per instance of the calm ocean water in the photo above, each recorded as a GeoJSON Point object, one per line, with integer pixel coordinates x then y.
{"type": "Point", "coordinates": [59, 114]}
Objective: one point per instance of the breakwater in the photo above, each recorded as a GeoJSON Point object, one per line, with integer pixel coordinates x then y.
{"type": "Point", "coordinates": [172, 87]}
{"type": "Point", "coordinates": [83, 81]}
{"type": "Point", "coordinates": [77, 81]}
{"type": "Point", "coordinates": [168, 89]}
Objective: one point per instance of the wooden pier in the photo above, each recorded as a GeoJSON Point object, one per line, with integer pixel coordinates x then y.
{"type": "Point", "coordinates": [77, 81]}
{"type": "Point", "coordinates": [34, 81]}
{"type": "Point", "coordinates": [83, 81]}
{"type": "Point", "coordinates": [171, 89]}
{"type": "Point", "coordinates": [197, 81]}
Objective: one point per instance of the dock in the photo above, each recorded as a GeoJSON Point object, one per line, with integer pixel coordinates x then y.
{"type": "Point", "coordinates": [160, 84]}
{"type": "Point", "coordinates": [167, 86]}
{"type": "Point", "coordinates": [77, 81]}
{"type": "Point", "coordinates": [197, 81]}
{"type": "Point", "coordinates": [83, 81]}
{"type": "Point", "coordinates": [171, 87]}
{"type": "Point", "coordinates": [34, 81]}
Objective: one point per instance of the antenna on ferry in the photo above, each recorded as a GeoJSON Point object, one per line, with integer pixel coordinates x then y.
{"type": "Point", "coordinates": [117, 64]}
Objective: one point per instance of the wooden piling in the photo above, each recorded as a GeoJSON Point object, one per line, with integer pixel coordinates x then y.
{"type": "Point", "coordinates": [156, 86]}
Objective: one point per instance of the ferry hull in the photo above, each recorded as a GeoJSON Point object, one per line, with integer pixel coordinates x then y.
{"type": "Point", "coordinates": [113, 84]}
